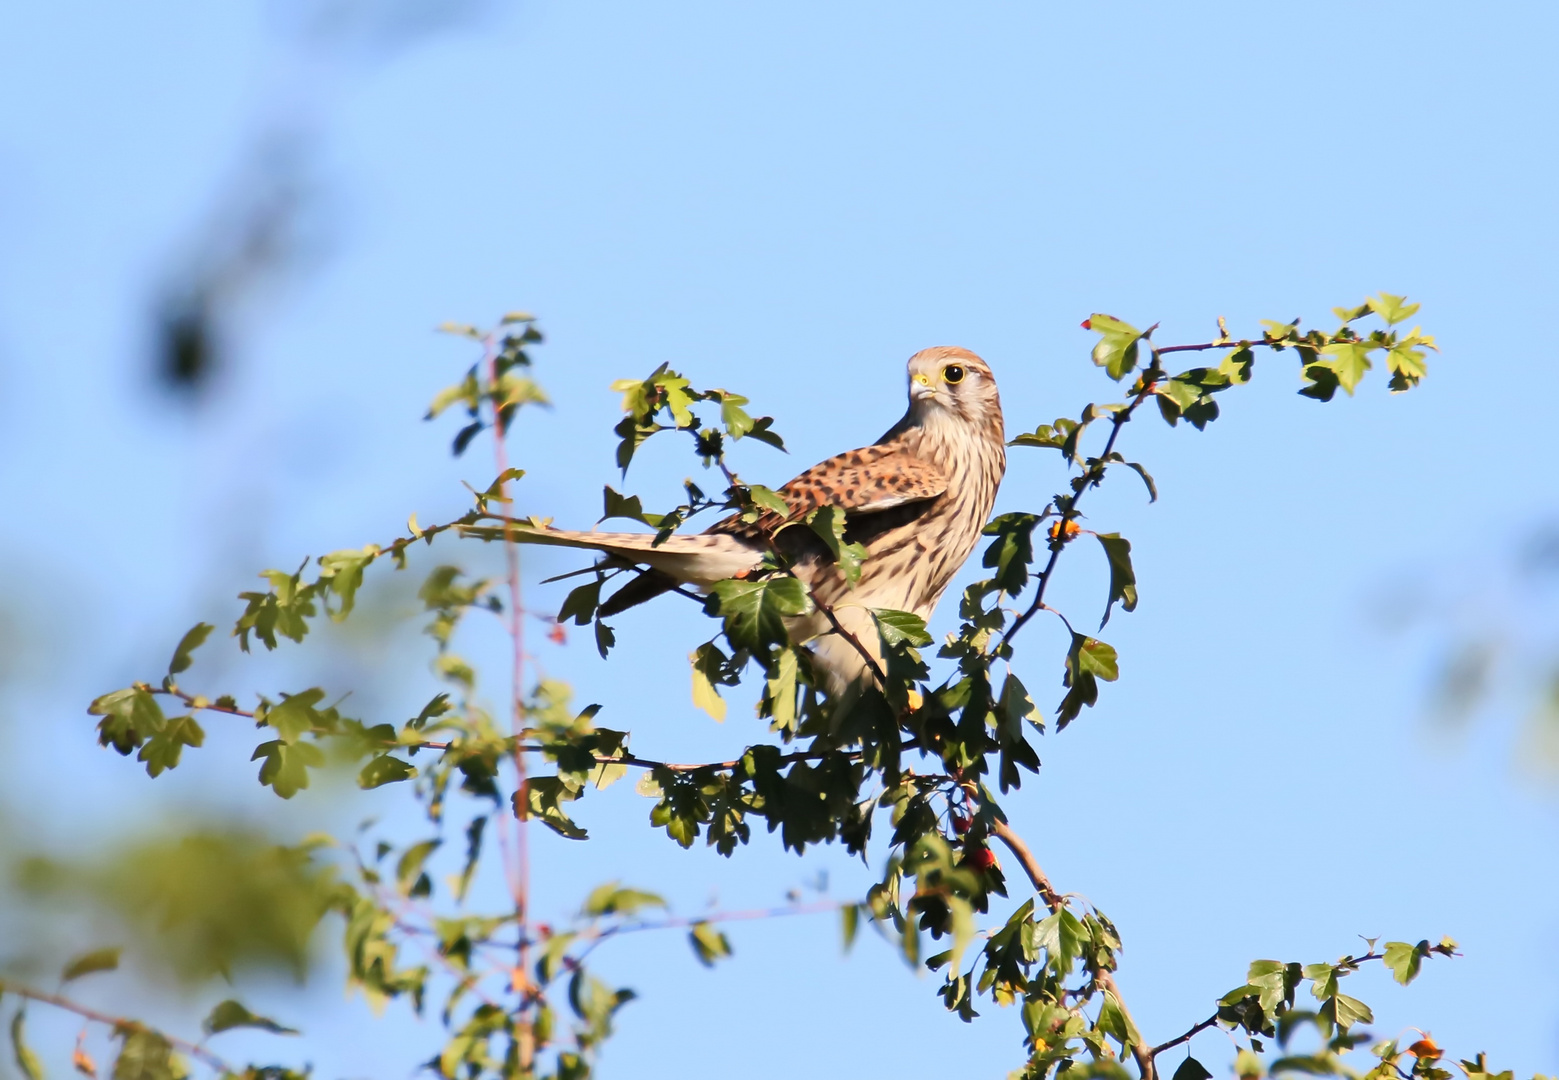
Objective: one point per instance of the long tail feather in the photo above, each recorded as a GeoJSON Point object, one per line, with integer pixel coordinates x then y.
{"type": "Point", "coordinates": [701, 559]}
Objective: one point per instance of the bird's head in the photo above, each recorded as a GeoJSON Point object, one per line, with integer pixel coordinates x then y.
{"type": "Point", "coordinates": [948, 382]}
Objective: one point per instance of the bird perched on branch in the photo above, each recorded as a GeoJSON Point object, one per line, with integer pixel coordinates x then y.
{"type": "Point", "coordinates": [916, 499]}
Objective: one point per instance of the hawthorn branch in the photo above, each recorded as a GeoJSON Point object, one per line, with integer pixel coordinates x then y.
{"type": "Point", "coordinates": [1054, 901]}
{"type": "Point", "coordinates": [1352, 963]}
{"type": "Point", "coordinates": [1091, 477]}
{"type": "Point", "coordinates": [520, 876]}
{"type": "Point", "coordinates": [672, 766]}
{"type": "Point", "coordinates": [119, 1024]}
{"type": "Point", "coordinates": [1094, 474]}
{"type": "Point", "coordinates": [1025, 856]}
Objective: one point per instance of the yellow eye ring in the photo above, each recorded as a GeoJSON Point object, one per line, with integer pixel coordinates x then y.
{"type": "Point", "coordinates": [952, 373]}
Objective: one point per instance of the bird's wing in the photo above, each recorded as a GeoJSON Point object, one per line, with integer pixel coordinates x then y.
{"type": "Point", "coordinates": [864, 481]}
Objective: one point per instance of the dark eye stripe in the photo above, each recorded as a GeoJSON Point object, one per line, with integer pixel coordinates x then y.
{"type": "Point", "coordinates": [953, 374]}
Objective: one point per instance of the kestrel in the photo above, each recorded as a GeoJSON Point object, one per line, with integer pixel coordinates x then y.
{"type": "Point", "coordinates": [917, 499]}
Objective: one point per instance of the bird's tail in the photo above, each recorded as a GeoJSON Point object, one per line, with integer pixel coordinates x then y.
{"type": "Point", "coordinates": [700, 559]}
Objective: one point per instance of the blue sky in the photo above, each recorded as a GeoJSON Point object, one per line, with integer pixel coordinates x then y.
{"type": "Point", "coordinates": [789, 201]}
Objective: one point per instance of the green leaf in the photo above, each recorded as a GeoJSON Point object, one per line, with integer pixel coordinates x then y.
{"type": "Point", "coordinates": [1114, 1022]}
{"type": "Point", "coordinates": [1393, 309]}
{"type": "Point", "coordinates": [495, 489]}
{"type": "Point", "coordinates": [768, 500]}
{"type": "Point", "coordinates": [87, 963]}
{"type": "Point", "coordinates": [147, 1055]}
{"type": "Point", "coordinates": [1123, 580]}
{"type": "Point", "coordinates": [779, 691]}
{"type": "Point", "coordinates": [1087, 661]}
{"type": "Point", "coordinates": [27, 1062]}
{"type": "Point", "coordinates": [285, 767]}
{"type": "Point", "coordinates": [408, 868]}
{"type": "Point", "coordinates": [1047, 436]}
{"type": "Point", "coordinates": [709, 944]}
{"type": "Point", "coordinates": [901, 627]}
{"type": "Point", "coordinates": [543, 796]}
{"type": "Point", "coordinates": [1407, 363]}
{"type": "Point", "coordinates": [829, 524]}
{"type": "Point", "coordinates": [626, 506]}
{"type": "Point", "coordinates": [1147, 479]}
{"type": "Point", "coordinates": [612, 899]}
{"type": "Point", "coordinates": [474, 832]}
{"type": "Point", "coordinates": [194, 639]}
{"type": "Point", "coordinates": [1096, 658]}
{"type": "Point", "coordinates": [1191, 1069]}
{"type": "Point", "coordinates": [754, 611]}
{"type": "Point", "coordinates": [342, 573]}
{"type": "Point", "coordinates": [465, 391]}
{"type": "Point", "coordinates": [850, 919]}
{"type": "Point", "coordinates": [382, 770]}
{"type": "Point", "coordinates": [1061, 935]}
{"type": "Point", "coordinates": [581, 603]}
{"type": "Point", "coordinates": [296, 715]}
{"type": "Point", "coordinates": [1116, 350]}
{"type": "Point", "coordinates": [1349, 1011]}
{"type": "Point", "coordinates": [163, 749]}
{"type": "Point", "coordinates": [130, 717]}
{"type": "Point", "coordinates": [1323, 382]}
{"type": "Point", "coordinates": [708, 662]}
{"type": "Point", "coordinates": [431, 711]}
{"type": "Point", "coordinates": [230, 1014]}
{"type": "Point", "coordinates": [1404, 960]}
{"type": "Point", "coordinates": [1349, 360]}
{"type": "Point", "coordinates": [1324, 980]}
{"type": "Point", "coordinates": [605, 639]}
{"type": "Point", "coordinates": [1012, 551]}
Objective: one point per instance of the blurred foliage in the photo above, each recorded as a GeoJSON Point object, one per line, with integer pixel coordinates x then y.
{"type": "Point", "coordinates": [910, 767]}
{"type": "Point", "coordinates": [207, 904]}
{"type": "Point", "coordinates": [1495, 644]}
{"type": "Point", "coordinates": [267, 222]}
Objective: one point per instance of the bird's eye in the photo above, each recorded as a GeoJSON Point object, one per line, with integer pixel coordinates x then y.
{"type": "Point", "coordinates": [952, 374]}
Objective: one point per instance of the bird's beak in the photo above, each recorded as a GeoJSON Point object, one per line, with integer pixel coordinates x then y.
{"type": "Point", "coordinates": [920, 388]}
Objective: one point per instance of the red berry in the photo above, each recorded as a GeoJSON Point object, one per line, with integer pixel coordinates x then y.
{"type": "Point", "coordinates": [980, 858]}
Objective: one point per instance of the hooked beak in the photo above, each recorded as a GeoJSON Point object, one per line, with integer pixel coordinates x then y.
{"type": "Point", "coordinates": [920, 388]}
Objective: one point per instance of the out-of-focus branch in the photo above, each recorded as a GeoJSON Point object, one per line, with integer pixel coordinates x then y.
{"type": "Point", "coordinates": [118, 1023]}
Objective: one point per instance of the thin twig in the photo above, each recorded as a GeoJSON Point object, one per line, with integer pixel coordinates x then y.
{"type": "Point", "coordinates": [521, 884]}
{"type": "Point", "coordinates": [1091, 478]}
{"type": "Point", "coordinates": [673, 766]}
{"type": "Point", "coordinates": [118, 1023]}
{"type": "Point", "coordinates": [1351, 962]}
{"type": "Point", "coordinates": [1191, 1033]}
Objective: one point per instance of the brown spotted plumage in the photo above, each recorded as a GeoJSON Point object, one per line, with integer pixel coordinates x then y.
{"type": "Point", "coordinates": [917, 499]}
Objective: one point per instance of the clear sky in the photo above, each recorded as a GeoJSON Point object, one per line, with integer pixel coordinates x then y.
{"type": "Point", "coordinates": [789, 200]}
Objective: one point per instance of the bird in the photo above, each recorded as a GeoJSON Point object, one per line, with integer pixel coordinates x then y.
{"type": "Point", "coordinates": [917, 499]}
